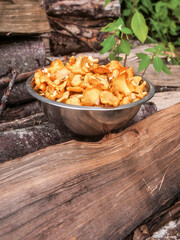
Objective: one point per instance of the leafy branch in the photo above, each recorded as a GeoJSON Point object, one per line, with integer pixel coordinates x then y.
{"type": "Point", "coordinates": [117, 42]}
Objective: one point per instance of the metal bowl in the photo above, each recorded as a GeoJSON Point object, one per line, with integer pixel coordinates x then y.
{"type": "Point", "coordinates": [90, 121]}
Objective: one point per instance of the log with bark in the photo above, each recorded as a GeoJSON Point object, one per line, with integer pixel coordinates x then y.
{"type": "Point", "coordinates": [21, 111]}
{"type": "Point", "coordinates": [94, 9]}
{"type": "Point", "coordinates": [100, 190]}
{"type": "Point", "coordinates": [77, 24]}
{"type": "Point", "coordinates": [19, 94]}
{"type": "Point", "coordinates": [31, 133]}
{"type": "Point", "coordinates": [22, 55]}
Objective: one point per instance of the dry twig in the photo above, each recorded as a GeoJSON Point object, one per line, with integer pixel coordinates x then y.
{"type": "Point", "coordinates": [8, 91]}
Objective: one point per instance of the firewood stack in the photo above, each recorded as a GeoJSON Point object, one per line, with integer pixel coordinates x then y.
{"type": "Point", "coordinates": [140, 178]}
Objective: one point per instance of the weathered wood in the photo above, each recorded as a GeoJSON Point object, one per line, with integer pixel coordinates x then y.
{"type": "Point", "coordinates": [5, 97]}
{"type": "Point", "coordinates": [19, 94]}
{"type": "Point", "coordinates": [80, 22]}
{"type": "Point", "coordinates": [21, 77]}
{"type": "Point", "coordinates": [21, 111]}
{"type": "Point", "coordinates": [156, 222]}
{"type": "Point", "coordinates": [25, 16]}
{"type": "Point", "coordinates": [24, 56]}
{"type": "Point", "coordinates": [19, 142]}
{"type": "Point", "coordinates": [11, 137]}
{"type": "Point", "coordinates": [32, 120]}
{"type": "Point", "coordinates": [84, 8]}
{"type": "Point", "coordinates": [166, 99]}
{"type": "Point", "coordinates": [97, 190]}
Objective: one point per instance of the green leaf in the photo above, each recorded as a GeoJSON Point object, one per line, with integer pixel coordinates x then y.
{"type": "Point", "coordinates": [151, 40]}
{"type": "Point", "coordinates": [149, 50]}
{"type": "Point", "coordinates": [119, 58]}
{"type": "Point", "coordinates": [126, 30]}
{"type": "Point", "coordinates": [141, 55]}
{"type": "Point", "coordinates": [166, 69]}
{"type": "Point", "coordinates": [126, 12]}
{"type": "Point", "coordinates": [125, 46]}
{"type": "Point", "coordinates": [112, 56]}
{"type": "Point", "coordinates": [118, 49]}
{"type": "Point", "coordinates": [158, 64]}
{"type": "Point", "coordinates": [107, 44]}
{"type": "Point", "coordinates": [119, 22]}
{"type": "Point", "coordinates": [144, 63]}
{"type": "Point", "coordinates": [148, 5]}
{"type": "Point", "coordinates": [173, 4]}
{"type": "Point", "coordinates": [109, 27]}
{"type": "Point", "coordinates": [156, 26]}
{"type": "Point", "coordinates": [139, 26]}
{"type": "Point", "coordinates": [107, 1]}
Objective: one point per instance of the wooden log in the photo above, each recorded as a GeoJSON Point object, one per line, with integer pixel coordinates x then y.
{"type": "Point", "coordinates": [21, 111]}
{"type": "Point", "coordinates": [85, 8]}
{"type": "Point", "coordinates": [156, 223]}
{"type": "Point", "coordinates": [21, 77]}
{"type": "Point", "coordinates": [12, 133]}
{"type": "Point", "coordinates": [22, 55]}
{"type": "Point", "coordinates": [22, 17]}
{"type": "Point", "coordinates": [97, 190]}
{"type": "Point", "coordinates": [32, 120]}
{"type": "Point", "coordinates": [19, 94]}
{"type": "Point", "coordinates": [166, 99]}
{"type": "Point", "coordinates": [19, 142]}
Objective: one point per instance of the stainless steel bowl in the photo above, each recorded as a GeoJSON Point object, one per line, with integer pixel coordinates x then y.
{"type": "Point", "coordinates": [89, 121]}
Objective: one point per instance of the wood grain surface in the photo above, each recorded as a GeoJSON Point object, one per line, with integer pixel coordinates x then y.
{"type": "Point", "coordinates": [22, 16]}
{"type": "Point", "coordinates": [166, 99]}
{"type": "Point", "coordinates": [99, 190]}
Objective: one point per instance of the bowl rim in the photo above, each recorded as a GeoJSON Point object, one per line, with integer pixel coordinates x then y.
{"type": "Point", "coordinates": [90, 108]}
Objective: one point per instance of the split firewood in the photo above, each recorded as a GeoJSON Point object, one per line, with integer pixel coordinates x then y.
{"type": "Point", "coordinates": [21, 77]}
{"type": "Point", "coordinates": [101, 190]}
{"type": "Point", "coordinates": [19, 142]}
{"type": "Point", "coordinates": [32, 120]}
{"type": "Point", "coordinates": [93, 9]}
{"type": "Point", "coordinates": [13, 113]}
{"type": "Point", "coordinates": [6, 94]}
{"type": "Point", "coordinates": [24, 56]}
{"type": "Point", "coordinates": [11, 137]}
{"type": "Point", "coordinates": [19, 94]}
{"type": "Point", "coordinates": [156, 223]}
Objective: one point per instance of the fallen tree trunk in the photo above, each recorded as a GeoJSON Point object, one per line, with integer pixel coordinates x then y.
{"type": "Point", "coordinates": [31, 133]}
{"type": "Point", "coordinates": [19, 94]}
{"type": "Point", "coordinates": [100, 190]}
{"type": "Point", "coordinates": [21, 111]}
{"type": "Point", "coordinates": [19, 142]}
{"type": "Point", "coordinates": [94, 8]}
{"type": "Point", "coordinates": [21, 77]}
{"type": "Point", "coordinates": [21, 55]}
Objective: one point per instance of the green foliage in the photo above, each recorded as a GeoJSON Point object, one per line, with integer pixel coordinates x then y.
{"type": "Point", "coordinates": [139, 26]}
{"type": "Point", "coordinates": [107, 44]}
{"type": "Point", "coordinates": [162, 17]}
{"type": "Point", "coordinates": [158, 64]}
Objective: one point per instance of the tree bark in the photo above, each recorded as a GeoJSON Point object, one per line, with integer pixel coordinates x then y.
{"type": "Point", "coordinates": [19, 94]}
{"type": "Point", "coordinates": [21, 55]}
{"type": "Point", "coordinates": [93, 9]}
{"type": "Point", "coordinates": [100, 190]}
{"type": "Point", "coordinates": [21, 111]}
{"type": "Point", "coordinates": [20, 134]}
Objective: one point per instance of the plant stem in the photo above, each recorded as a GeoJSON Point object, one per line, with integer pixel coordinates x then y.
{"type": "Point", "coordinates": [125, 58]}
{"type": "Point", "coordinates": [132, 12]}
{"type": "Point", "coordinates": [144, 71]}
